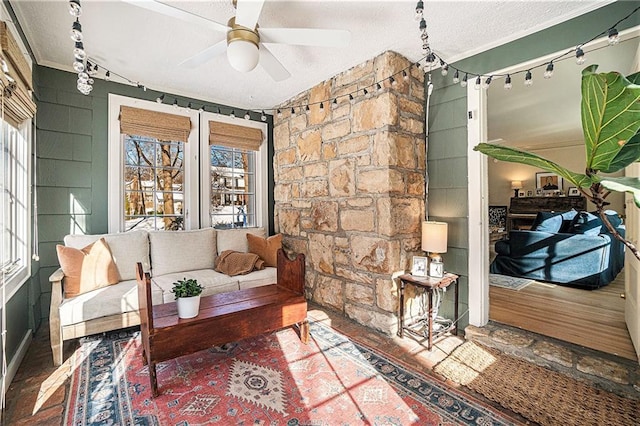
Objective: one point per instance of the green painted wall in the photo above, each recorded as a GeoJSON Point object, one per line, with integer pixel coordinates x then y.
{"type": "Point", "coordinates": [447, 144]}
{"type": "Point", "coordinates": [72, 142]}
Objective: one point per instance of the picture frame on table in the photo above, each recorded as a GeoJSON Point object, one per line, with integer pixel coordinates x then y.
{"type": "Point", "coordinates": [548, 182]}
{"type": "Point", "coordinates": [419, 266]}
{"type": "Point", "coordinates": [521, 193]}
{"type": "Point", "coordinates": [574, 191]}
{"type": "Point", "coordinates": [529, 193]}
{"type": "Point", "coordinates": [538, 192]}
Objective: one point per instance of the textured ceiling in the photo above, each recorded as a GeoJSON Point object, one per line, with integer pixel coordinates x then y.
{"type": "Point", "coordinates": [145, 46]}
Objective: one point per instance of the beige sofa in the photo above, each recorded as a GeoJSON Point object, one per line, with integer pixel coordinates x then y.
{"type": "Point", "coordinates": [169, 256]}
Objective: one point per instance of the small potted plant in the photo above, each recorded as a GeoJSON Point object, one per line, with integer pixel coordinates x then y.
{"type": "Point", "coordinates": [187, 293]}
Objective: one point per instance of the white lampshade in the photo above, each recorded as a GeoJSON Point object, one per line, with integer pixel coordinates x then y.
{"type": "Point", "coordinates": [434, 236]}
{"type": "Point", "coordinates": [516, 184]}
{"type": "Point", "coordinates": [243, 55]}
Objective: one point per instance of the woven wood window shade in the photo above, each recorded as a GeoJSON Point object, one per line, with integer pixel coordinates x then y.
{"type": "Point", "coordinates": [234, 136]}
{"type": "Point", "coordinates": [17, 103]}
{"type": "Point", "coordinates": [159, 125]}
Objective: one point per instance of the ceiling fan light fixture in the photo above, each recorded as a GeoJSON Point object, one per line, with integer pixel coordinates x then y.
{"type": "Point", "coordinates": [242, 47]}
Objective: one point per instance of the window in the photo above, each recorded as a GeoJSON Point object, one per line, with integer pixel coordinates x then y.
{"type": "Point", "coordinates": [16, 211]}
{"type": "Point", "coordinates": [235, 178]}
{"type": "Point", "coordinates": [151, 183]}
{"type": "Point", "coordinates": [169, 174]}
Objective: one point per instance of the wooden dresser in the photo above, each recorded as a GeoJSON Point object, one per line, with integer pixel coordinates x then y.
{"type": "Point", "coordinates": [523, 210]}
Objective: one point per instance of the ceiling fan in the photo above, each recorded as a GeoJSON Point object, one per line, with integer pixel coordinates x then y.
{"type": "Point", "coordinates": [245, 44]}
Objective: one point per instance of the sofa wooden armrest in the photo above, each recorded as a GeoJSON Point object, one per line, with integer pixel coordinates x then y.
{"type": "Point", "coordinates": [54, 315]}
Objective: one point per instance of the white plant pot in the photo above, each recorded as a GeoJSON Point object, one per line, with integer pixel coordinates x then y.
{"type": "Point", "coordinates": [188, 307]}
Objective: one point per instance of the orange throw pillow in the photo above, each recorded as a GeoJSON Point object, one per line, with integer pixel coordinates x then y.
{"type": "Point", "coordinates": [87, 269]}
{"type": "Point", "coordinates": [266, 248]}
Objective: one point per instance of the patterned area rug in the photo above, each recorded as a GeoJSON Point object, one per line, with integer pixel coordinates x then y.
{"type": "Point", "coordinates": [513, 283]}
{"type": "Point", "coordinates": [270, 380]}
{"type": "Point", "coordinates": [541, 395]}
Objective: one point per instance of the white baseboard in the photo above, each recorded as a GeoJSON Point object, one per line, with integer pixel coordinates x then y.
{"type": "Point", "coordinates": [12, 368]}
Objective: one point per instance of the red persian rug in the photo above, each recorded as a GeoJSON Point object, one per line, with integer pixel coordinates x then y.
{"type": "Point", "coordinates": [270, 380]}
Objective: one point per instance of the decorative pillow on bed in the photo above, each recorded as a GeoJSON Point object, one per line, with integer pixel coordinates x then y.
{"type": "Point", "coordinates": [266, 248]}
{"type": "Point", "coordinates": [87, 269]}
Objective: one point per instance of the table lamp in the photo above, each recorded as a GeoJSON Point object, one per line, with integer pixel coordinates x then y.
{"type": "Point", "coordinates": [434, 241]}
{"type": "Point", "coordinates": [515, 185]}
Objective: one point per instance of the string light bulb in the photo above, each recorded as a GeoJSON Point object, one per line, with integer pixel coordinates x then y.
{"type": "Point", "coordinates": [580, 59]}
{"type": "Point", "coordinates": [393, 81]}
{"type": "Point", "coordinates": [107, 75]}
{"type": "Point", "coordinates": [507, 82]}
{"type": "Point", "coordinates": [293, 111]}
{"type": "Point", "coordinates": [456, 77]}
{"type": "Point", "coordinates": [366, 92]}
{"type": "Point", "coordinates": [78, 52]}
{"type": "Point", "coordinates": [279, 113]}
{"type": "Point", "coordinates": [445, 68]}
{"type": "Point", "coordinates": [74, 8]}
{"type": "Point", "coordinates": [548, 73]}
{"type": "Point", "coordinates": [263, 116]}
{"type": "Point", "coordinates": [487, 82]}
{"type": "Point", "coordinates": [478, 83]}
{"type": "Point", "coordinates": [78, 65]}
{"type": "Point", "coordinates": [335, 101]}
{"type": "Point", "coordinates": [76, 31]}
{"type": "Point", "coordinates": [189, 106]}
{"type": "Point", "coordinates": [321, 106]}
{"type": "Point", "coordinates": [232, 114]}
{"type": "Point", "coordinates": [306, 108]}
{"type": "Point", "coordinates": [405, 76]}
{"type": "Point", "coordinates": [419, 10]}
{"type": "Point", "coordinates": [528, 79]}
{"type": "Point", "coordinates": [463, 83]}
{"type": "Point", "coordinates": [378, 87]}
{"type": "Point", "coordinates": [614, 37]}
{"type": "Point", "coordinates": [175, 103]}
{"type": "Point", "coordinates": [351, 99]}
{"type": "Point", "coordinates": [247, 115]}
{"type": "Point", "coordinates": [201, 109]}
{"type": "Point", "coordinates": [160, 98]}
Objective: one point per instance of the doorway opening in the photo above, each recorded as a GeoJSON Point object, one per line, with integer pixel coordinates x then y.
{"type": "Point", "coordinates": [545, 119]}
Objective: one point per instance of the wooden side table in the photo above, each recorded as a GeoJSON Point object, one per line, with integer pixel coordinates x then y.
{"type": "Point", "coordinates": [428, 284]}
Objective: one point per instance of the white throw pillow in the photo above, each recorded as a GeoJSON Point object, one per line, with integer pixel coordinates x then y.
{"type": "Point", "coordinates": [182, 250]}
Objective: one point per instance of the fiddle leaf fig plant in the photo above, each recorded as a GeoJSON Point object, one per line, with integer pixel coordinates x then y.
{"type": "Point", "coordinates": [610, 115]}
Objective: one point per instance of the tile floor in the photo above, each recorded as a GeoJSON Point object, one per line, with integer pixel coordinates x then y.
{"type": "Point", "coordinates": [38, 393]}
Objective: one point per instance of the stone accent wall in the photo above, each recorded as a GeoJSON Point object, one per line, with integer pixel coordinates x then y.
{"type": "Point", "coordinates": [350, 187]}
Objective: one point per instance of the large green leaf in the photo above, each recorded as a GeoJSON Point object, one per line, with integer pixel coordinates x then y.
{"type": "Point", "coordinates": [514, 155]}
{"type": "Point", "coordinates": [624, 184]}
{"type": "Point", "coordinates": [629, 153]}
{"type": "Point", "coordinates": [610, 117]}
{"type": "Point", "coordinates": [634, 78]}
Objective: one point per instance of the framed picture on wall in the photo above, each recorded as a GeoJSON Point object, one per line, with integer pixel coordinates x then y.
{"type": "Point", "coordinates": [547, 181]}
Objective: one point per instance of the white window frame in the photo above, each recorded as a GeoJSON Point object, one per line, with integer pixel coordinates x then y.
{"type": "Point", "coordinates": [116, 161]}
{"type": "Point", "coordinates": [261, 177]}
{"type": "Point", "coordinates": [16, 278]}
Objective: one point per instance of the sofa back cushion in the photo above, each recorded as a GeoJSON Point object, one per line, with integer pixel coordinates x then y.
{"type": "Point", "coordinates": [266, 248]}
{"type": "Point", "coordinates": [590, 224]}
{"type": "Point", "coordinates": [554, 222]}
{"type": "Point", "coordinates": [182, 250]}
{"type": "Point", "coordinates": [236, 239]}
{"type": "Point", "coordinates": [127, 248]}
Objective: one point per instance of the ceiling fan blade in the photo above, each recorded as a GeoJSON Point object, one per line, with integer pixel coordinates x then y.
{"type": "Point", "coordinates": [271, 65]}
{"type": "Point", "coordinates": [305, 36]}
{"type": "Point", "coordinates": [205, 55]}
{"type": "Point", "coordinates": [174, 12]}
{"type": "Point", "coordinates": [247, 12]}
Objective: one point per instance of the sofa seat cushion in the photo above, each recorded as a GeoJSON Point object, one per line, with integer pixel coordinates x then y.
{"type": "Point", "coordinates": [112, 300]}
{"type": "Point", "coordinates": [127, 249]}
{"type": "Point", "coordinates": [182, 250]}
{"type": "Point", "coordinates": [258, 278]}
{"type": "Point", "coordinates": [212, 281]}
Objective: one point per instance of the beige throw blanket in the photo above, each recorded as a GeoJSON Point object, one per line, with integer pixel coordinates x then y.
{"type": "Point", "coordinates": [235, 263]}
